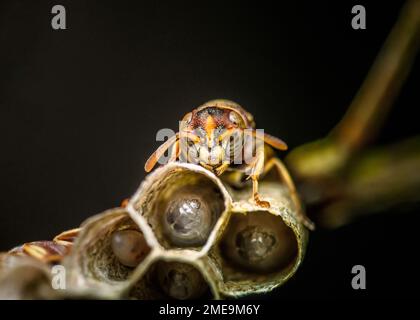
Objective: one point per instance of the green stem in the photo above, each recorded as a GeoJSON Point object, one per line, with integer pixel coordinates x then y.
{"type": "Point", "coordinates": [378, 180]}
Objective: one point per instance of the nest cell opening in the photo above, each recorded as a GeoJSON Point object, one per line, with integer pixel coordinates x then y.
{"type": "Point", "coordinates": [171, 280]}
{"type": "Point", "coordinates": [117, 251]}
{"type": "Point", "coordinates": [184, 209]}
{"type": "Point", "coordinates": [256, 243]}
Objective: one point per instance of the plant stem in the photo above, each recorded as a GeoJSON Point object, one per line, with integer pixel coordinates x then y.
{"type": "Point", "coordinates": [324, 158]}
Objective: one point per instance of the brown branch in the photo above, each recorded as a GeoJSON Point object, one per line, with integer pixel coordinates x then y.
{"type": "Point", "coordinates": [323, 158]}
{"type": "Point", "coordinates": [383, 83]}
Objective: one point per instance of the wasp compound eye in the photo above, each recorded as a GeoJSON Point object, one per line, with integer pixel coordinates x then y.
{"type": "Point", "coordinates": [234, 118]}
{"type": "Point", "coordinates": [129, 246]}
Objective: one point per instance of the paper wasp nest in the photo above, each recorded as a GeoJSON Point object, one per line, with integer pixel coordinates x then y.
{"type": "Point", "coordinates": [185, 234]}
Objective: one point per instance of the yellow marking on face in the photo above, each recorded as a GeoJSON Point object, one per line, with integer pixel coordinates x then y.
{"type": "Point", "coordinates": [209, 127]}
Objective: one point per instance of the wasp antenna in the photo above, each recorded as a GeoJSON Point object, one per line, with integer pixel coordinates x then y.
{"type": "Point", "coordinates": [154, 158]}
{"type": "Point", "coordinates": [269, 139]}
{"type": "Point", "coordinates": [275, 142]}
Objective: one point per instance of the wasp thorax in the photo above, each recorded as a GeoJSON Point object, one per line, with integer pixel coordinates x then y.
{"type": "Point", "coordinates": [129, 246]}
{"type": "Point", "coordinates": [188, 219]}
{"type": "Point", "coordinates": [180, 281]}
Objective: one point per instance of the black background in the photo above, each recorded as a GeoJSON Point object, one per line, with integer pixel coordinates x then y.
{"type": "Point", "coordinates": [80, 109]}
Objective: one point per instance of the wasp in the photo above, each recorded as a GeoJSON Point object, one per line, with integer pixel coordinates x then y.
{"type": "Point", "coordinates": [218, 133]}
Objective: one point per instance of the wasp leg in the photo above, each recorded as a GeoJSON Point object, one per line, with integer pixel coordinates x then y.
{"type": "Point", "coordinates": [222, 168]}
{"type": "Point", "coordinates": [256, 195]}
{"type": "Point", "coordinates": [67, 237]}
{"type": "Point", "coordinates": [44, 251]}
{"type": "Point", "coordinates": [124, 203]}
{"type": "Point", "coordinates": [47, 251]}
{"type": "Point", "coordinates": [284, 174]}
{"type": "Point", "coordinates": [257, 168]}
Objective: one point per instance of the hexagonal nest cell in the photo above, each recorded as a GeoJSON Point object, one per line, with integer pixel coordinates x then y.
{"type": "Point", "coordinates": [187, 235]}
{"type": "Point", "coordinates": [172, 280]}
{"type": "Point", "coordinates": [181, 206]}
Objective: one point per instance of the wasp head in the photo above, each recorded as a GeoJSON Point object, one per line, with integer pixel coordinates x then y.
{"type": "Point", "coordinates": [211, 131]}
